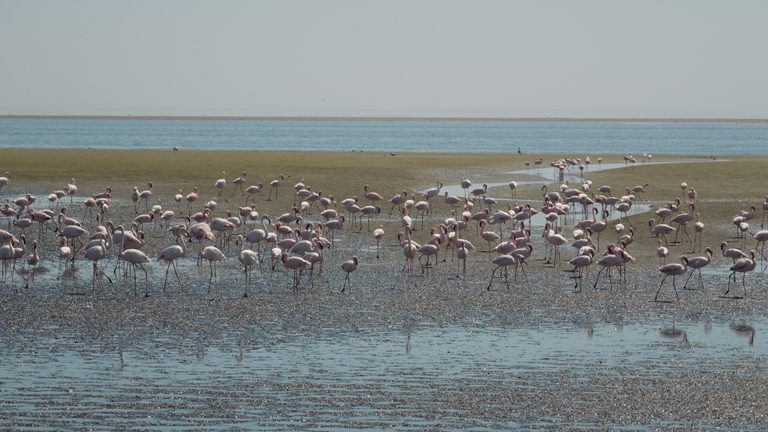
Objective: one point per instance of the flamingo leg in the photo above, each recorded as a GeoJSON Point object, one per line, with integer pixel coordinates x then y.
{"type": "Point", "coordinates": [656, 298]}
{"type": "Point", "coordinates": [245, 288]}
{"type": "Point", "coordinates": [146, 280]}
{"type": "Point", "coordinates": [743, 284]}
{"type": "Point", "coordinates": [177, 273]}
{"type": "Point", "coordinates": [167, 269]}
{"type": "Point", "coordinates": [728, 289]}
{"type": "Point", "coordinates": [493, 273]}
{"type": "Point", "coordinates": [597, 278]}
{"type": "Point", "coordinates": [685, 285]}
{"type": "Point", "coordinates": [346, 279]}
{"type": "Point", "coordinates": [674, 287]}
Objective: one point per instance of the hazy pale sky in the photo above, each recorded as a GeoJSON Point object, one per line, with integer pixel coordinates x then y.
{"type": "Point", "coordinates": [611, 58]}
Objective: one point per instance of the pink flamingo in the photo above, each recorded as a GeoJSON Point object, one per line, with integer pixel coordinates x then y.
{"type": "Point", "coordinates": [675, 270]}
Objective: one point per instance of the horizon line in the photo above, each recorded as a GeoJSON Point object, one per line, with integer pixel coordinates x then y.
{"type": "Point", "coordinates": [386, 118]}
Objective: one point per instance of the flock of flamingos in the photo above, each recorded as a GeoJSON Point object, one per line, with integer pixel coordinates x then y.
{"type": "Point", "coordinates": [314, 224]}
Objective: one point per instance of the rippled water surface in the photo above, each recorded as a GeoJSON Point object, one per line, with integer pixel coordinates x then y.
{"type": "Point", "coordinates": [365, 378]}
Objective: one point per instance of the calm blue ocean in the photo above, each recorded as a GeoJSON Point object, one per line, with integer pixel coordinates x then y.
{"type": "Point", "coordinates": [451, 136]}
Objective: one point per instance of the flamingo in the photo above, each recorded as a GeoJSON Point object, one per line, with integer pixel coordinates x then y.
{"type": "Point", "coordinates": [297, 264]}
{"type": "Point", "coordinates": [698, 232]}
{"type": "Point", "coordinates": [32, 260]}
{"type": "Point", "coordinates": [248, 259]}
{"type": "Point", "coordinates": [451, 201]}
{"type": "Point", "coordinates": [4, 181]}
{"type": "Point", "coordinates": [136, 258]}
{"type": "Point", "coordinates": [555, 240]}
{"type": "Point", "coordinates": [513, 188]}
{"type": "Point", "coordinates": [682, 221]}
{"type": "Point", "coordinates": [466, 184]}
{"type": "Point", "coordinates": [253, 190]}
{"type": "Point", "coordinates": [221, 183]}
{"type": "Point", "coordinates": [190, 198]}
{"type": "Point", "coordinates": [397, 201]}
{"type": "Point", "coordinates": [315, 257]}
{"type": "Point", "coordinates": [765, 212]}
{"type": "Point", "coordinates": [371, 196]}
{"type": "Point", "coordinates": [732, 253]}
{"type": "Point", "coordinates": [697, 263]}
{"type": "Point", "coordinates": [614, 258]}
{"type": "Point", "coordinates": [422, 207]}
{"type": "Point", "coordinates": [660, 229]}
{"type": "Point", "coordinates": [478, 192]}
{"type": "Point", "coordinates": [64, 252]}
{"type": "Point", "coordinates": [239, 182]}
{"type": "Point", "coordinates": [334, 225]}
{"type": "Point", "coordinates": [212, 254]}
{"type": "Point", "coordinates": [143, 196]}
{"type": "Point", "coordinates": [462, 253]}
{"type": "Point", "coordinates": [488, 236]}
{"type": "Point", "coordinates": [502, 262]}
{"type": "Point", "coordinates": [579, 263]}
{"type": "Point", "coordinates": [274, 184]}
{"type": "Point", "coordinates": [761, 237]}
{"type": "Point", "coordinates": [662, 252]}
{"type": "Point", "coordinates": [598, 226]}
{"type": "Point", "coordinates": [409, 249]}
{"type": "Point", "coordinates": [6, 257]}
{"type": "Point", "coordinates": [369, 211]}
{"type": "Point", "coordinates": [378, 234]}
{"type": "Point", "coordinates": [259, 235]}
{"type": "Point", "coordinates": [675, 270]}
{"type": "Point", "coordinates": [72, 233]}
{"type": "Point", "coordinates": [432, 192]}
{"type": "Point", "coordinates": [170, 255]}
{"type": "Point", "coordinates": [348, 266]}
{"type": "Point", "coordinates": [743, 266]}
{"type": "Point", "coordinates": [96, 254]}
{"type": "Point", "coordinates": [432, 248]}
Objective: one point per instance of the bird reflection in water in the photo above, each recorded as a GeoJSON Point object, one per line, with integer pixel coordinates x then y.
{"type": "Point", "coordinates": [408, 345]}
{"type": "Point", "coordinates": [745, 330]}
{"type": "Point", "coordinates": [675, 333]}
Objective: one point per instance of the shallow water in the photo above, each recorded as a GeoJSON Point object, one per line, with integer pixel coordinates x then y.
{"type": "Point", "coordinates": [365, 378]}
{"type": "Point", "coordinates": [452, 136]}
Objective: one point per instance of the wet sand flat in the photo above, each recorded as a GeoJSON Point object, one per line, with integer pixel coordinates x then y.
{"type": "Point", "coordinates": [431, 350]}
